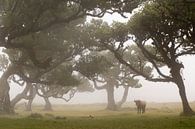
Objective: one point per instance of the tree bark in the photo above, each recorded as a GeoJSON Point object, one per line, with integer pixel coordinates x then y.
{"type": "Point", "coordinates": [48, 106]}
{"type": "Point", "coordinates": [124, 98]}
{"type": "Point", "coordinates": [20, 96]}
{"type": "Point", "coordinates": [29, 105]}
{"type": "Point", "coordinates": [182, 92]}
{"type": "Point", "coordinates": [110, 98]}
{"type": "Point", "coordinates": [5, 105]}
{"type": "Point", "coordinates": [31, 98]}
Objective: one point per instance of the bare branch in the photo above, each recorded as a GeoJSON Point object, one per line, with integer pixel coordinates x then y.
{"type": "Point", "coordinates": [98, 87]}
{"type": "Point", "coordinates": [135, 71]}
{"type": "Point", "coordinates": [150, 58]}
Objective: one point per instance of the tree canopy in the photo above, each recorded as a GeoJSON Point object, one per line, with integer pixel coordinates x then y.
{"type": "Point", "coordinates": [22, 19]}
{"type": "Point", "coordinates": [168, 28]}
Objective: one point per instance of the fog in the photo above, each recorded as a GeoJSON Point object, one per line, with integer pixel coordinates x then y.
{"type": "Point", "coordinates": [153, 92]}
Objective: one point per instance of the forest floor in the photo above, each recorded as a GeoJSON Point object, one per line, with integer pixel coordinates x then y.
{"type": "Point", "coordinates": [94, 116]}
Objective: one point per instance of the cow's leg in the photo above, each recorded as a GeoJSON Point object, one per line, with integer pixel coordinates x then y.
{"type": "Point", "coordinates": [144, 109]}
{"type": "Point", "coordinates": [139, 110]}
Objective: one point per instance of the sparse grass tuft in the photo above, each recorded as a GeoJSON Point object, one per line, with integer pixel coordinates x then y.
{"type": "Point", "coordinates": [60, 117]}
{"type": "Point", "coordinates": [35, 115]}
{"type": "Point", "coordinates": [48, 115]}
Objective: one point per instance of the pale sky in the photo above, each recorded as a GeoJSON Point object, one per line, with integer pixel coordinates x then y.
{"type": "Point", "coordinates": [153, 92]}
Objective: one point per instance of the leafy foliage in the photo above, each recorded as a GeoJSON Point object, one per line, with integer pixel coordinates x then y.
{"type": "Point", "coordinates": [4, 62]}
{"type": "Point", "coordinates": [61, 75]}
{"type": "Point", "coordinates": [91, 65]}
{"type": "Point", "coordinates": [169, 27]}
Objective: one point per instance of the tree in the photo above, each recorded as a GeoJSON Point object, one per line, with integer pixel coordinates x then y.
{"type": "Point", "coordinates": [171, 31]}
{"type": "Point", "coordinates": [60, 92]}
{"type": "Point", "coordinates": [113, 75]}
{"type": "Point", "coordinates": [57, 80]}
{"type": "Point", "coordinates": [27, 94]}
{"type": "Point", "coordinates": [24, 23]}
{"type": "Point", "coordinates": [168, 27]}
{"type": "Point", "coordinates": [64, 51]}
{"type": "Point", "coordinates": [4, 86]}
{"type": "Point", "coordinates": [22, 18]}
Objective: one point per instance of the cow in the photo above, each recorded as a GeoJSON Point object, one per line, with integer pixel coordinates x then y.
{"type": "Point", "coordinates": [141, 106]}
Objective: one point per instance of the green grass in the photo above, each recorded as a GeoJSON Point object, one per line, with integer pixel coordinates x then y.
{"type": "Point", "coordinates": [77, 117]}
{"type": "Point", "coordinates": [106, 122]}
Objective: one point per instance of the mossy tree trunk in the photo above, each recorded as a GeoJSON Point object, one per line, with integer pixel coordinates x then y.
{"type": "Point", "coordinates": [111, 105]}
{"type": "Point", "coordinates": [124, 98]}
{"type": "Point", "coordinates": [48, 106]}
{"type": "Point", "coordinates": [175, 72]}
{"type": "Point", "coordinates": [20, 96]}
{"type": "Point", "coordinates": [31, 97]}
{"type": "Point", "coordinates": [5, 104]}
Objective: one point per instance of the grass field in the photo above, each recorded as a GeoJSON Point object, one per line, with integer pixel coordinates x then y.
{"type": "Point", "coordinates": [158, 116]}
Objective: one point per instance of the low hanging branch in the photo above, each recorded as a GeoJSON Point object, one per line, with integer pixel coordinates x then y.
{"type": "Point", "coordinates": [147, 54]}
{"type": "Point", "coordinates": [57, 92]}
{"type": "Point", "coordinates": [18, 81]}
{"type": "Point", "coordinates": [122, 61]}
{"type": "Point", "coordinates": [98, 87]}
{"type": "Point", "coordinates": [72, 92]}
